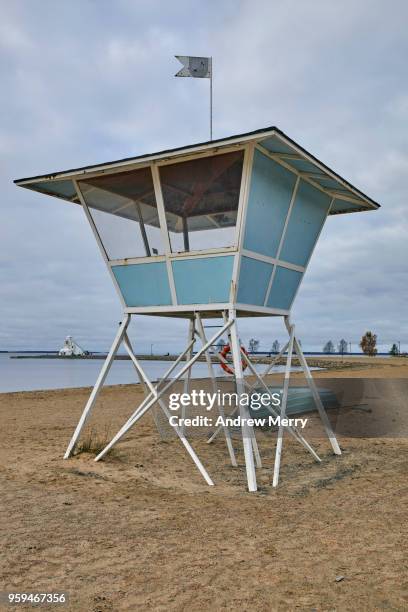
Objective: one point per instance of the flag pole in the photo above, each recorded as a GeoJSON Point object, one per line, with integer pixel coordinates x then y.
{"type": "Point", "coordinates": [211, 99]}
{"type": "Point", "coordinates": [198, 67]}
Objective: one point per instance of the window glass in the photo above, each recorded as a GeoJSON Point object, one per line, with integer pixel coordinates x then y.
{"type": "Point", "coordinates": [201, 201]}
{"type": "Point", "coordinates": [123, 207]}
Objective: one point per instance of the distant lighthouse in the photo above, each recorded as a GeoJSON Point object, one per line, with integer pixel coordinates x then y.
{"type": "Point", "coordinates": [71, 349]}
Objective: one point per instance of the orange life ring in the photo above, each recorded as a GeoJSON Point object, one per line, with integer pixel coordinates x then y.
{"type": "Point", "coordinates": [225, 366]}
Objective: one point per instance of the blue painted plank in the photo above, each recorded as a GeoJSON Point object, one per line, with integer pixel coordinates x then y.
{"type": "Point", "coordinates": [269, 199]}
{"type": "Point", "coordinates": [254, 279]}
{"type": "Point", "coordinates": [144, 284]}
{"type": "Point", "coordinates": [283, 288]}
{"type": "Point", "coordinates": [204, 280]}
{"type": "Point", "coordinates": [306, 219]}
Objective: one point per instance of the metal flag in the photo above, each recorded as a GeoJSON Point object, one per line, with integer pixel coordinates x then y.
{"type": "Point", "coordinates": [197, 67]}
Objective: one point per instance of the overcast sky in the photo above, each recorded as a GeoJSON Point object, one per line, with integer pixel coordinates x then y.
{"type": "Point", "coordinates": [89, 81]}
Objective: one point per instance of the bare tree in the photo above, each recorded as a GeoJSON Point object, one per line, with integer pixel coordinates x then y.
{"type": "Point", "coordinates": [342, 347]}
{"type": "Point", "coordinates": [253, 345]}
{"type": "Point", "coordinates": [275, 347]}
{"type": "Point", "coordinates": [328, 348]}
{"type": "Point", "coordinates": [368, 343]}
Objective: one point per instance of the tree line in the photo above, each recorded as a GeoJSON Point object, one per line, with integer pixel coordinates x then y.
{"type": "Point", "coordinates": [368, 345]}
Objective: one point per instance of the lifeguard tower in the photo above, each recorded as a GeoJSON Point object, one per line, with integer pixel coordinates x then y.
{"type": "Point", "coordinates": [220, 229]}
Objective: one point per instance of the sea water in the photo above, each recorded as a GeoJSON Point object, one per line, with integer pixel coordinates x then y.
{"type": "Point", "coordinates": [40, 374]}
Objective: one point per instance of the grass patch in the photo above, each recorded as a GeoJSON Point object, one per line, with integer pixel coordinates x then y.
{"type": "Point", "coordinates": [94, 442]}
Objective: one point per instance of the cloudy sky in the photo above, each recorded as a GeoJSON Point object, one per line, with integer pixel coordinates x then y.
{"type": "Point", "coordinates": [86, 81]}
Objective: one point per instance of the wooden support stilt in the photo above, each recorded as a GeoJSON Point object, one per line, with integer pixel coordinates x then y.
{"type": "Point", "coordinates": [98, 385]}
{"type": "Point", "coordinates": [226, 430]}
{"type": "Point", "coordinates": [247, 431]}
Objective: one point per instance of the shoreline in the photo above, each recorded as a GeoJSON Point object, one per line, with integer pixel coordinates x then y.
{"type": "Point", "coordinates": [374, 367]}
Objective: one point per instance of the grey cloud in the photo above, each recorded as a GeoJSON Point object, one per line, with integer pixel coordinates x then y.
{"type": "Point", "coordinates": [88, 82]}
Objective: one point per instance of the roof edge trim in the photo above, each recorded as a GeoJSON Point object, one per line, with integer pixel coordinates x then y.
{"type": "Point", "coordinates": [256, 135]}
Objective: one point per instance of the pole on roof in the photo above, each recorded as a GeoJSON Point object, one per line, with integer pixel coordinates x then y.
{"type": "Point", "coordinates": [198, 68]}
{"type": "Point", "coordinates": [211, 100]}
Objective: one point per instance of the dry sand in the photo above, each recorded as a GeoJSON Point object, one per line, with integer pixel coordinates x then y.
{"type": "Point", "coordinates": [142, 531]}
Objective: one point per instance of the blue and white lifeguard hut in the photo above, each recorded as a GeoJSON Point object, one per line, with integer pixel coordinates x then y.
{"type": "Point", "coordinates": [220, 229]}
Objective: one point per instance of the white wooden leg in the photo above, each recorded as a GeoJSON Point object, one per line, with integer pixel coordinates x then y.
{"type": "Point", "coordinates": [219, 428]}
{"type": "Point", "coordinates": [292, 430]}
{"type": "Point", "coordinates": [187, 379]}
{"type": "Point", "coordinates": [128, 346]}
{"type": "Point", "coordinates": [254, 443]}
{"type": "Point", "coordinates": [279, 440]}
{"type": "Point", "coordinates": [188, 446]}
{"type": "Point", "coordinates": [98, 385]}
{"type": "Point", "coordinates": [226, 430]}
{"type": "Point", "coordinates": [140, 411]}
{"type": "Point", "coordinates": [164, 379]}
{"type": "Point", "coordinates": [322, 412]}
{"type": "Point", "coordinates": [243, 411]}
{"type": "Point", "coordinates": [137, 416]}
{"type": "Point", "coordinates": [271, 365]}
{"type": "Point", "coordinates": [143, 378]}
{"type": "Point", "coordinates": [255, 449]}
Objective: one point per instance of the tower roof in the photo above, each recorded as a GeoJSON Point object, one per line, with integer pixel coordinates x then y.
{"type": "Point", "coordinates": [271, 140]}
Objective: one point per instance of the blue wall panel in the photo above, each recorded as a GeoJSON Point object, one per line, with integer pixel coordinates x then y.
{"type": "Point", "coordinates": [203, 280]}
{"type": "Point", "coordinates": [144, 284]}
{"type": "Point", "coordinates": [284, 286]}
{"type": "Point", "coordinates": [254, 278]}
{"type": "Point", "coordinates": [268, 204]}
{"type": "Point", "coordinates": [306, 219]}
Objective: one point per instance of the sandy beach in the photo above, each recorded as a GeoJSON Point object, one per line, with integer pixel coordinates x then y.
{"type": "Point", "coordinates": [142, 531]}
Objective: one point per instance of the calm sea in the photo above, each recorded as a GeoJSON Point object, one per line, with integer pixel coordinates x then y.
{"type": "Point", "coordinates": [39, 374]}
